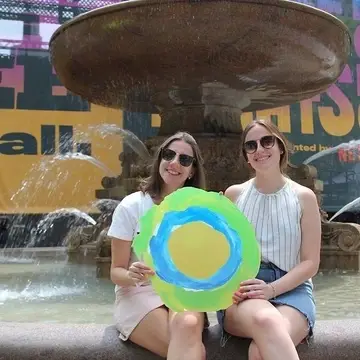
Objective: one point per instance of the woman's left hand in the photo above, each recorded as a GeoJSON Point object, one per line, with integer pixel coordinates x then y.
{"type": "Point", "coordinates": [254, 289]}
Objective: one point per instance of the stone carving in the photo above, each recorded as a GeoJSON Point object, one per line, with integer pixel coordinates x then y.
{"type": "Point", "coordinates": [341, 236]}
{"type": "Point", "coordinates": [86, 244]}
{"type": "Point", "coordinates": [340, 246]}
{"type": "Point", "coordinates": [103, 254]}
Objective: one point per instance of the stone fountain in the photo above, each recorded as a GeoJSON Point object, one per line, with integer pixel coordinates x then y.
{"type": "Point", "coordinates": [200, 65]}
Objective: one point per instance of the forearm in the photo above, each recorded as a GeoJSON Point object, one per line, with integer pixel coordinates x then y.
{"type": "Point", "coordinates": [295, 277]}
{"type": "Point", "coordinates": [120, 276]}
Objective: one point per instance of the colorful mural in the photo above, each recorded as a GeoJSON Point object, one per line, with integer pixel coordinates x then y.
{"type": "Point", "coordinates": [39, 118]}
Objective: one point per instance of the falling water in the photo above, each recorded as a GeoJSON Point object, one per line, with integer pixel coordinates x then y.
{"type": "Point", "coordinates": [15, 260]}
{"type": "Point", "coordinates": [39, 292]}
{"type": "Point", "coordinates": [37, 178]}
{"type": "Point", "coordinates": [348, 206]}
{"type": "Point", "coordinates": [37, 175]}
{"type": "Point", "coordinates": [128, 137]}
{"type": "Point", "coordinates": [90, 159]}
{"type": "Point", "coordinates": [68, 211]}
{"type": "Point", "coordinates": [36, 181]}
{"type": "Point", "coordinates": [331, 150]}
{"type": "Point", "coordinates": [48, 222]}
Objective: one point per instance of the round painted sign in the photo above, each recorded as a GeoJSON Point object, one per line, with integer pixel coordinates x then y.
{"type": "Point", "coordinates": [201, 248]}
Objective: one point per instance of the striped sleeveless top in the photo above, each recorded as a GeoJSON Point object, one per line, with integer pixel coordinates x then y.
{"type": "Point", "coordinates": [276, 219]}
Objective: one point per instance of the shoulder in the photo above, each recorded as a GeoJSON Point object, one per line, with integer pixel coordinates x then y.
{"type": "Point", "coordinates": [133, 200]}
{"type": "Point", "coordinates": [126, 216]}
{"type": "Point", "coordinates": [305, 195]}
{"type": "Point", "coordinates": [130, 205]}
{"type": "Point", "coordinates": [234, 191]}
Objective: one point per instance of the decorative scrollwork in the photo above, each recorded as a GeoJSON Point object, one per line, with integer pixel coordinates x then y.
{"type": "Point", "coordinates": [78, 236]}
{"type": "Point", "coordinates": [341, 236]}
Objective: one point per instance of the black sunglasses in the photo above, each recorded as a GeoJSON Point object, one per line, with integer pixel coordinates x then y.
{"type": "Point", "coordinates": [184, 159]}
{"type": "Point", "coordinates": [267, 142]}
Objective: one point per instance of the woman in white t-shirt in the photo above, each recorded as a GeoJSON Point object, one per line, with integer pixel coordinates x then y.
{"type": "Point", "coordinates": [140, 314]}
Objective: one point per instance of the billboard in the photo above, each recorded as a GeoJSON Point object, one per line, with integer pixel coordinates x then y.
{"type": "Point", "coordinates": [39, 119]}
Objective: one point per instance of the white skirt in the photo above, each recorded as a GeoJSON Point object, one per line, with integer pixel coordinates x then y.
{"type": "Point", "coordinates": [132, 304]}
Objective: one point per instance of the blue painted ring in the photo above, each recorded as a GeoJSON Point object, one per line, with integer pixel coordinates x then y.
{"type": "Point", "coordinates": [165, 267]}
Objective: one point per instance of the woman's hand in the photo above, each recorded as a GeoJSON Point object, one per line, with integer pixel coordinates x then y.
{"type": "Point", "coordinates": [139, 272]}
{"type": "Point", "coordinates": [253, 289]}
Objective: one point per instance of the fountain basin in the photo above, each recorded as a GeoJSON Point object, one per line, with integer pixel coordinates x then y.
{"type": "Point", "coordinates": [56, 310]}
{"type": "Point", "coordinates": [338, 340]}
{"type": "Point", "coordinates": [53, 289]}
{"type": "Point", "coordinates": [150, 55]}
{"type": "Point", "coordinates": [36, 288]}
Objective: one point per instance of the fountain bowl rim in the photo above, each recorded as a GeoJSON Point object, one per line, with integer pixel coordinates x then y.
{"type": "Point", "coordinates": [123, 5]}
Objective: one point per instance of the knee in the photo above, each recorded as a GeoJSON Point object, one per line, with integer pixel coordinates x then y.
{"type": "Point", "coordinates": [186, 324]}
{"type": "Point", "coordinates": [268, 321]}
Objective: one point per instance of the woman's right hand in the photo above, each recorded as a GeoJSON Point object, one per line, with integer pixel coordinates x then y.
{"type": "Point", "coordinates": [139, 272]}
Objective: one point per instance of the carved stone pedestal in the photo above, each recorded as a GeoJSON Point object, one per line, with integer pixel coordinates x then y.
{"type": "Point", "coordinates": [79, 247]}
{"type": "Point", "coordinates": [340, 248]}
{"type": "Point", "coordinates": [103, 254]}
{"type": "Point", "coordinates": [84, 254]}
{"type": "Point", "coordinates": [103, 265]}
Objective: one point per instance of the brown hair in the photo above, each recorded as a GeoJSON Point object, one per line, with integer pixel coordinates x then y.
{"type": "Point", "coordinates": [281, 141]}
{"type": "Point", "coordinates": [153, 183]}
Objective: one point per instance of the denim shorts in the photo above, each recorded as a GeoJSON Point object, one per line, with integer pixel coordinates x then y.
{"type": "Point", "coordinates": [301, 298]}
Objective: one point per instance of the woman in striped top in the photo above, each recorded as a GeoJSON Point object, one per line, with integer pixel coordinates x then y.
{"type": "Point", "coordinates": [277, 309]}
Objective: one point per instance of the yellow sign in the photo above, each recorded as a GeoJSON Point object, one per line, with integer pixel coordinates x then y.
{"type": "Point", "coordinates": [31, 181]}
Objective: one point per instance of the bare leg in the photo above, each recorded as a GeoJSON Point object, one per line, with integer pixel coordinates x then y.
{"type": "Point", "coordinates": [296, 325]}
{"type": "Point", "coordinates": [186, 336]}
{"type": "Point", "coordinates": [254, 352]}
{"type": "Point", "coordinates": [259, 320]}
{"type": "Point", "coordinates": [152, 333]}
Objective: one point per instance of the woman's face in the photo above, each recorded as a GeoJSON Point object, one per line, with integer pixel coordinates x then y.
{"type": "Point", "coordinates": [176, 165]}
{"type": "Point", "coordinates": [262, 149]}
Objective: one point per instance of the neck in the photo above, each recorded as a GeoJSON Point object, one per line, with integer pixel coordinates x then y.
{"type": "Point", "coordinates": [165, 191]}
{"type": "Point", "coordinates": [269, 182]}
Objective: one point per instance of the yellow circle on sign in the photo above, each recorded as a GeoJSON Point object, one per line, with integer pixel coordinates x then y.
{"type": "Point", "coordinates": [186, 247]}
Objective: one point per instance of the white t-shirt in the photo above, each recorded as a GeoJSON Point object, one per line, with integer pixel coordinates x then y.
{"type": "Point", "coordinates": [126, 217]}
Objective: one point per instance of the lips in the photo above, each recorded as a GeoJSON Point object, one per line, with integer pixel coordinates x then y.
{"type": "Point", "coordinates": [172, 172]}
{"type": "Point", "coordinates": [262, 158]}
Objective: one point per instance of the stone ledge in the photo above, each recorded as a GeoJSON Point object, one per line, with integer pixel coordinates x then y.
{"type": "Point", "coordinates": [336, 340]}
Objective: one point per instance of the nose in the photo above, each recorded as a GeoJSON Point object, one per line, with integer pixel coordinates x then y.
{"type": "Point", "coordinates": [259, 146]}
{"type": "Point", "coordinates": [175, 159]}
